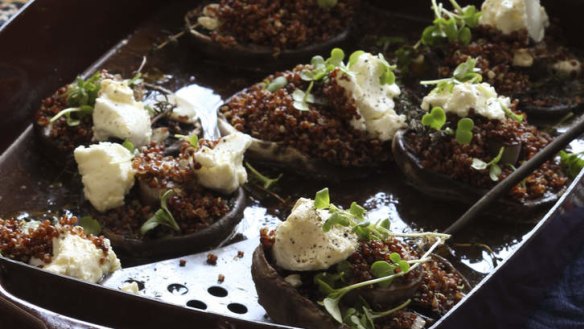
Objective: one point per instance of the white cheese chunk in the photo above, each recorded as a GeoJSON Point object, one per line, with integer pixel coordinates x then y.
{"type": "Point", "coordinates": [514, 15]}
{"type": "Point", "coordinates": [374, 100]}
{"type": "Point", "coordinates": [567, 68]}
{"type": "Point", "coordinates": [302, 245]}
{"type": "Point", "coordinates": [117, 114]}
{"type": "Point", "coordinates": [222, 167]}
{"type": "Point", "coordinates": [130, 287]}
{"type": "Point", "coordinates": [79, 258]}
{"type": "Point", "coordinates": [481, 97]}
{"type": "Point", "coordinates": [522, 58]}
{"type": "Point", "coordinates": [107, 174]}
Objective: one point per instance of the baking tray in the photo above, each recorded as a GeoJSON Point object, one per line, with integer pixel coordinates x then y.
{"type": "Point", "coordinates": [52, 41]}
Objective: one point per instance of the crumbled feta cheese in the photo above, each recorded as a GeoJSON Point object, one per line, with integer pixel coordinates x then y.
{"type": "Point", "coordinates": [294, 280]}
{"type": "Point", "coordinates": [117, 114]}
{"type": "Point", "coordinates": [514, 15]}
{"type": "Point", "coordinates": [481, 97]}
{"type": "Point", "coordinates": [222, 166]}
{"type": "Point", "coordinates": [522, 58]}
{"type": "Point", "coordinates": [374, 100]}
{"type": "Point", "coordinates": [130, 287]}
{"type": "Point", "coordinates": [568, 68]}
{"type": "Point", "coordinates": [302, 245]}
{"type": "Point", "coordinates": [107, 174]}
{"type": "Point", "coordinates": [77, 257]}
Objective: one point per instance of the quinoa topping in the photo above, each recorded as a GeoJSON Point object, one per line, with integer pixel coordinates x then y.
{"type": "Point", "coordinates": [279, 24]}
{"type": "Point", "coordinates": [495, 52]}
{"type": "Point", "coordinates": [323, 132]}
{"type": "Point", "coordinates": [22, 244]}
{"type": "Point", "coordinates": [441, 153]}
{"type": "Point", "coordinates": [193, 207]}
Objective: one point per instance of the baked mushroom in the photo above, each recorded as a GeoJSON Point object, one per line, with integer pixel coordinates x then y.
{"type": "Point", "coordinates": [154, 204]}
{"type": "Point", "coordinates": [468, 139]}
{"type": "Point", "coordinates": [269, 33]}
{"type": "Point", "coordinates": [59, 246]}
{"type": "Point", "coordinates": [329, 119]}
{"type": "Point", "coordinates": [325, 267]}
{"type": "Point", "coordinates": [518, 51]}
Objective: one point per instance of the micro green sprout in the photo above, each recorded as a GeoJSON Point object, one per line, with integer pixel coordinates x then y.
{"type": "Point", "coordinates": [435, 119]}
{"type": "Point", "coordinates": [493, 166]}
{"type": "Point", "coordinates": [128, 145]}
{"type": "Point", "coordinates": [276, 84]}
{"type": "Point", "coordinates": [331, 302]}
{"type": "Point", "coordinates": [90, 225]}
{"type": "Point", "coordinates": [162, 216]}
{"type": "Point", "coordinates": [366, 318]}
{"type": "Point", "coordinates": [572, 163]}
{"type": "Point", "coordinates": [464, 72]}
{"type": "Point", "coordinates": [451, 26]}
{"type": "Point", "coordinates": [510, 114]}
{"type": "Point", "coordinates": [265, 181]}
{"type": "Point", "coordinates": [192, 139]}
{"type": "Point", "coordinates": [463, 133]}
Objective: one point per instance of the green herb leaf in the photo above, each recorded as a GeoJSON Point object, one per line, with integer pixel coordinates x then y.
{"type": "Point", "coordinates": [90, 225]}
{"type": "Point", "coordinates": [436, 119]}
{"type": "Point", "coordinates": [451, 27]}
{"type": "Point", "coordinates": [494, 172]}
{"type": "Point", "coordinates": [510, 114]}
{"type": "Point", "coordinates": [463, 133]}
{"type": "Point", "coordinates": [129, 145]}
{"type": "Point", "coordinates": [572, 163]}
{"type": "Point", "coordinates": [357, 211]}
{"type": "Point", "coordinates": [162, 216]}
{"type": "Point", "coordinates": [276, 84]}
{"type": "Point", "coordinates": [479, 164]}
{"type": "Point", "coordinates": [322, 199]}
{"type": "Point", "coordinates": [266, 181]}
{"type": "Point", "coordinates": [355, 57]}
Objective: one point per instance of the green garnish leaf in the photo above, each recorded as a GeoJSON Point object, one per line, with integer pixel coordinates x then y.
{"type": "Point", "coordinates": [495, 172]}
{"type": "Point", "coordinates": [90, 225]}
{"type": "Point", "coordinates": [355, 57]}
{"type": "Point", "coordinates": [322, 199]}
{"type": "Point", "coordinates": [357, 211]}
{"type": "Point", "coordinates": [129, 145]}
{"type": "Point", "coordinates": [450, 26]}
{"type": "Point", "coordinates": [266, 181]}
{"type": "Point", "coordinates": [479, 164]}
{"type": "Point", "coordinates": [468, 71]}
{"type": "Point", "coordinates": [276, 84]}
{"type": "Point", "coordinates": [395, 257]}
{"type": "Point", "coordinates": [493, 166]}
{"type": "Point", "coordinates": [463, 133]}
{"type": "Point", "coordinates": [572, 163]}
{"type": "Point", "coordinates": [336, 59]}
{"type": "Point", "coordinates": [84, 92]}
{"type": "Point", "coordinates": [510, 114]}
{"type": "Point", "coordinates": [162, 216]}
{"type": "Point", "coordinates": [436, 119]}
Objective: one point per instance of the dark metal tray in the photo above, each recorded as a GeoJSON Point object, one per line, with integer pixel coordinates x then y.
{"type": "Point", "coordinates": [52, 41]}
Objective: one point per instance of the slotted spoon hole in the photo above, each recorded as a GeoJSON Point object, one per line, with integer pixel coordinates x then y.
{"type": "Point", "coordinates": [217, 291]}
{"type": "Point", "coordinates": [237, 308]}
{"type": "Point", "coordinates": [197, 304]}
{"type": "Point", "coordinates": [177, 289]}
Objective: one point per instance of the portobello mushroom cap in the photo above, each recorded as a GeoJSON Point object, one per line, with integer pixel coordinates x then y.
{"type": "Point", "coordinates": [255, 55]}
{"type": "Point", "coordinates": [443, 187]}
{"type": "Point", "coordinates": [176, 246]}
{"type": "Point", "coordinates": [285, 305]}
{"type": "Point", "coordinates": [289, 158]}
